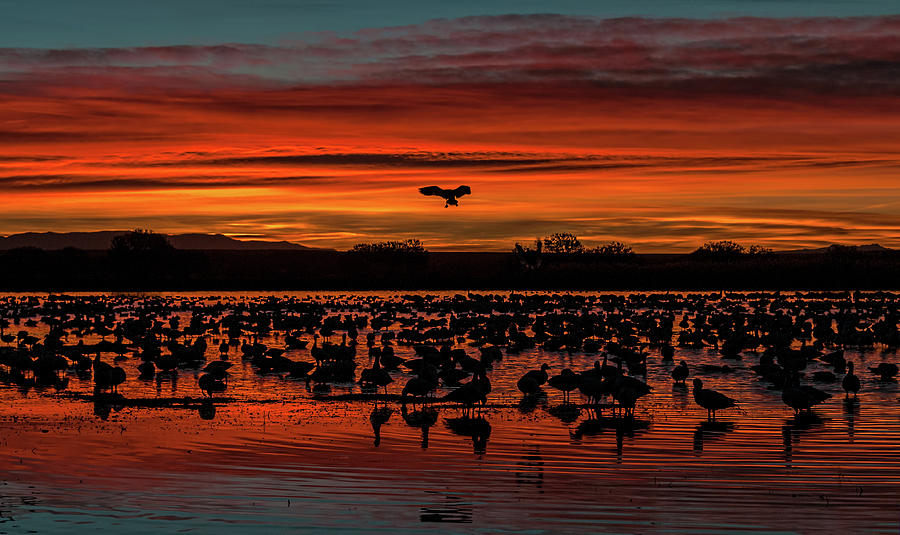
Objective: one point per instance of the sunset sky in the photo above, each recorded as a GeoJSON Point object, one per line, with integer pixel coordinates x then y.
{"type": "Point", "coordinates": [648, 122]}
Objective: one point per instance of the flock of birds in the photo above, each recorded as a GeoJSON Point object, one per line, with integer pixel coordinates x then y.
{"type": "Point", "coordinates": [452, 343]}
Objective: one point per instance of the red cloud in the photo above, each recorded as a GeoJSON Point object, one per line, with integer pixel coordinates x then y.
{"type": "Point", "coordinates": [655, 124]}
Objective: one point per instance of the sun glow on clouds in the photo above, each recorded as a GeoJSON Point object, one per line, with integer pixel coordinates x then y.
{"type": "Point", "coordinates": [663, 133]}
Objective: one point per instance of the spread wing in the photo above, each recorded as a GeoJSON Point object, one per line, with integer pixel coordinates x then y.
{"type": "Point", "coordinates": [462, 190]}
{"type": "Point", "coordinates": [434, 190]}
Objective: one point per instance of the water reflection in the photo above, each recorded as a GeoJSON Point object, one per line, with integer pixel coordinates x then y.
{"type": "Point", "coordinates": [851, 411]}
{"type": "Point", "coordinates": [322, 444]}
{"type": "Point", "coordinates": [422, 419]}
{"type": "Point", "coordinates": [530, 402]}
{"type": "Point", "coordinates": [105, 403]}
{"type": "Point", "coordinates": [167, 377]}
{"type": "Point", "coordinates": [530, 470]}
{"type": "Point", "coordinates": [378, 417]}
{"type": "Point", "coordinates": [566, 413]}
{"type": "Point", "coordinates": [475, 427]}
{"type": "Point", "coordinates": [14, 508]}
{"type": "Point", "coordinates": [710, 430]}
{"type": "Point", "coordinates": [623, 426]}
{"type": "Point", "coordinates": [681, 395]}
{"type": "Point", "coordinates": [207, 410]}
{"type": "Point", "coordinates": [452, 510]}
{"type": "Point", "coordinates": [794, 428]}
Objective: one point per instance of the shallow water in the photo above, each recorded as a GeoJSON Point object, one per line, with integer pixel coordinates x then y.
{"type": "Point", "coordinates": [277, 460]}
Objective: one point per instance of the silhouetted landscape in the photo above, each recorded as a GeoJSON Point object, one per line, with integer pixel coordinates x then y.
{"type": "Point", "coordinates": [69, 268]}
{"type": "Point", "coordinates": [100, 240]}
{"type": "Point", "coordinates": [417, 268]}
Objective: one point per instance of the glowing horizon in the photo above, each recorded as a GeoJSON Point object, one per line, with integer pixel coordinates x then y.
{"type": "Point", "coordinates": [662, 133]}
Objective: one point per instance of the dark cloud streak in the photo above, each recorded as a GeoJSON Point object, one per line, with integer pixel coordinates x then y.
{"type": "Point", "coordinates": [854, 54]}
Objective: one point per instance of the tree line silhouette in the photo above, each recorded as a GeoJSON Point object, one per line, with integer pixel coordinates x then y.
{"type": "Point", "coordinates": [143, 260]}
{"type": "Point", "coordinates": [566, 244]}
{"type": "Point", "coordinates": [409, 248]}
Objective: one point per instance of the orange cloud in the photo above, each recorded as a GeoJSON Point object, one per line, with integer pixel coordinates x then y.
{"type": "Point", "coordinates": [757, 147]}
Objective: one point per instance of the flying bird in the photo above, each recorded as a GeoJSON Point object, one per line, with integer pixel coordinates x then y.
{"type": "Point", "coordinates": [449, 195]}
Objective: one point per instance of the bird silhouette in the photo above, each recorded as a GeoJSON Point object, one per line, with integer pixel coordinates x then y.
{"type": "Point", "coordinates": [711, 400]}
{"type": "Point", "coordinates": [886, 370]}
{"type": "Point", "coordinates": [375, 377]}
{"type": "Point", "coordinates": [680, 372]}
{"type": "Point", "coordinates": [531, 382]}
{"type": "Point", "coordinates": [850, 381]}
{"type": "Point", "coordinates": [801, 397]}
{"type": "Point", "coordinates": [449, 195]}
{"type": "Point", "coordinates": [566, 381]}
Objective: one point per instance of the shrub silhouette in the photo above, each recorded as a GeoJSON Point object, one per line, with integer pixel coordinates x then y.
{"type": "Point", "coordinates": [759, 250]}
{"type": "Point", "coordinates": [142, 257]}
{"type": "Point", "coordinates": [529, 259]}
{"type": "Point", "coordinates": [140, 242]}
{"type": "Point", "coordinates": [613, 250]}
{"type": "Point", "coordinates": [842, 251]}
{"type": "Point", "coordinates": [407, 248]}
{"type": "Point", "coordinates": [728, 250]}
{"type": "Point", "coordinates": [723, 249]}
{"type": "Point", "coordinates": [563, 242]}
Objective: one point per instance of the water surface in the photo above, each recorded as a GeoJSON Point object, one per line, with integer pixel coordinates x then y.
{"type": "Point", "coordinates": [276, 459]}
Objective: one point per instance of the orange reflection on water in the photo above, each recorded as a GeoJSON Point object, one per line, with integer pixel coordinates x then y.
{"type": "Point", "coordinates": [275, 456]}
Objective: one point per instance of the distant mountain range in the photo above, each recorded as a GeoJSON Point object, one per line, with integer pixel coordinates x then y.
{"type": "Point", "coordinates": [101, 240]}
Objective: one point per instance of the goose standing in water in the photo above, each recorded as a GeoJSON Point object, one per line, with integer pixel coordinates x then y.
{"type": "Point", "coordinates": [473, 392]}
{"type": "Point", "coordinates": [886, 370]}
{"type": "Point", "coordinates": [680, 373]}
{"type": "Point", "coordinates": [218, 370]}
{"type": "Point", "coordinates": [627, 390]}
{"type": "Point", "coordinates": [531, 382]}
{"type": "Point", "coordinates": [566, 381]}
{"type": "Point", "coordinates": [801, 398]}
{"type": "Point", "coordinates": [107, 376]}
{"type": "Point", "coordinates": [482, 382]}
{"type": "Point", "coordinates": [210, 385]}
{"type": "Point", "coordinates": [147, 370]}
{"type": "Point", "coordinates": [850, 382]}
{"type": "Point", "coordinates": [711, 400]}
{"type": "Point", "coordinates": [667, 352]}
{"type": "Point", "coordinates": [594, 385]}
{"type": "Point", "coordinates": [420, 385]}
{"type": "Point", "coordinates": [467, 395]}
{"type": "Point", "coordinates": [375, 377]}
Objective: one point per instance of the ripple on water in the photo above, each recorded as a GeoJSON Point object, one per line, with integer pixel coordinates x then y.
{"type": "Point", "coordinates": [300, 464]}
